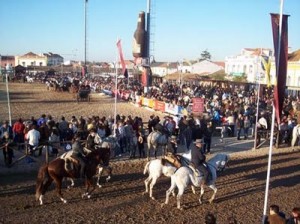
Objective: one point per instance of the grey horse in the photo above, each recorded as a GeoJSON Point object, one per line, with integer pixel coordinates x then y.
{"type": "Point", "coordinates": [155, 140]}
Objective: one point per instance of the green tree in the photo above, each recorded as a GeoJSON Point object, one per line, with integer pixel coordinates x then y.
{"type": "Point", "coordinates": [242, 78]}
{"type": "Point", "coordinates": [205, 55]}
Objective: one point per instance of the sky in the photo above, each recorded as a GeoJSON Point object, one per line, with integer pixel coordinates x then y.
{"type": "Point", "coordinates": [181, 29]}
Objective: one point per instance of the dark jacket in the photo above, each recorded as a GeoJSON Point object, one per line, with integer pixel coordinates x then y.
{"type": "Point", "coordinates": [197, 158]}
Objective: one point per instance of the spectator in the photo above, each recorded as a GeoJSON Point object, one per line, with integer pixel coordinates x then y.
{"type": "Point", "coordinates": [18, 130]}
{"type": "Point", "coordinates": [54, 142]}
{"type": "Point", "coordinates": [239, 126]}
{"type": "Point", "coordinates": [173, 144]}
{"type": "Point", "coordinates": [210, 218]}
{"type": "Point", "coordinates": [33, 137]}
{"type": "Point", "coordinates": [275, 217]}
{"type": "Point", "coordinates": [247, 125]}
{"type": "Point", "coordinates": [5, 144]}
{"type": "Point", "coordinates": [207, 138]}
{"type": "Point", "coordinates": [141, 138]}
{"type": "Point", "coordinates": [6, 128]}
{"type": "Point", "coordinates": [295, 216]}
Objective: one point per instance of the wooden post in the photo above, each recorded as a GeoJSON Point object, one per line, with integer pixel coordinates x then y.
{"type": "Point", "coordinates": [47, 154]}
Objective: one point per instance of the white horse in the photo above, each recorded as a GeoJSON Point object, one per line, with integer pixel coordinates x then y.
{"type": "Point", "coordinates": [156, 168]}
{"type": "Point", "coordinates": [154, 140]}
{"type": "Point", "coordinates": [296, 135]}
{"type": "Point", "coordinates": [185, 176]}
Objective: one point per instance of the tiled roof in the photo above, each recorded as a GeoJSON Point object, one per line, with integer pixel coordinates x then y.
{"type": "Point", "coordinates": [295, 56]}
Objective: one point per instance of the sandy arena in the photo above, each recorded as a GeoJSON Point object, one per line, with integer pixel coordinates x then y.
{"type": "Point", "coordinates": [241, 187]}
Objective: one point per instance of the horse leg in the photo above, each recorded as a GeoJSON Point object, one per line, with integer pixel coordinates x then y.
{"type": "Point", "coordinates": [99, 176]}
{"type": "Point", "coordinates": [201, 194]}
{"type": "Point", "coordinates": [147, 181]}
{"type": "Point", "coordinates": [44, 189]}
{"type": "Point", "coordinates": [153, 182]}
{"type": "Point", "coordinates": [109, 170]}
{"type": "Point", "coordinates": [58, 183]}
{"type": "Point", "coordinates": [213, 187]}
{"type": "Point", "coordinates": [193, 189]}
{"type": "Point", "coordinates": [179, 195]}
{"type": "Point", "coordinates": [169, 191]}
{"type": "Point", "coordinates": [88, 183]}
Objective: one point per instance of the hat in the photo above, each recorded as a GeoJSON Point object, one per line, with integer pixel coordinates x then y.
{"type": "Point", "coordinates": [173, 137]}
{"type": "Point", "coordinates": [198, 141]}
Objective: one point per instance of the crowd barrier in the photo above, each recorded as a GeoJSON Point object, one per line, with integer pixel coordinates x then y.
{"type": "Point", "coordinates": [196, 106]}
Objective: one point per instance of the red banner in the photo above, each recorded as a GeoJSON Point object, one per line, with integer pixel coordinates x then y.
{"type": "Point", "coordinates": [281, 57]}
{"type": "Point", "coordinates": [198, 105]}
{"type": "Point", "coordinates": [159, 105]}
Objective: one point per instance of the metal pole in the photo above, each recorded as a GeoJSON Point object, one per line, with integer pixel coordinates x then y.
{"type": "Point", "coordinates": [257, 105]}
{"type": "Point", "coordinates": [273, 119]}
{"type": "Point", "coordinates": [85, 19]}
{"type": "Point", "coordinates": [8, 100]}
{"type": "Point", "coordinates": [269, 166]}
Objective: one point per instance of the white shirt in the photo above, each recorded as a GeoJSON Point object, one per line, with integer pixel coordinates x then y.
{"type": "Point", "coordinates": [33, 137]}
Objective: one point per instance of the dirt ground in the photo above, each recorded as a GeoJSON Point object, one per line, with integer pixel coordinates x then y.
{"type": "Point", "coordinates": [241, 187]}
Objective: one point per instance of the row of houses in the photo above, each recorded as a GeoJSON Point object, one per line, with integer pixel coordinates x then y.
{"type": "Point", "coordinates": [247, 63]}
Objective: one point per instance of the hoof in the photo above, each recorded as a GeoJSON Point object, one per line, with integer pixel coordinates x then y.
{"type": "Point", "coordinates": [153, 198]}
{"type": "Point", "coordinates": [89, 196]}
{"type": "Point", "coordinates": [65, 201]}
{"type": "Point", "coordinates": [180, 208]}
{"type": "Point", "coordinates": [210, 201]}
{"type": "Point", "coordinates": [162, 205]}
{"type": "Point", "coordinates": [99, 185]}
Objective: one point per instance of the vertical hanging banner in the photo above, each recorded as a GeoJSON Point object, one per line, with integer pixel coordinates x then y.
{"type": "Point", "coordinates": [280, 41]}
{"type": "Point", "coordinates": [121, 58]}
{"type": "Point", "coordinates": [198, 105]}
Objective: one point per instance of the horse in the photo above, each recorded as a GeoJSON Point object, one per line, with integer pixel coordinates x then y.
{"type": "Point", "coordinates": [108, 142]}
{"type": "Point", "coordinates": [156, 168]}
{"type": "Point", "coordinates": [295, 135]}
{"type": "Point", "coordinates": [55, 170]}
{"type": "Point", "coordinates": [101, 167]}
{"type": "Point", "coordinates": [154, 140]}
{"type": "Point", "coordinates": [186, 175]}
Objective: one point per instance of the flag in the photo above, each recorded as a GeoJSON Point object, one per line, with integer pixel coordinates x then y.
{"type": "Point", "coordinates": [266, 66]}
{"type": "Point", "coordinates": [121, 58]}
{"type": "Point", "coordinates": [281, 59]}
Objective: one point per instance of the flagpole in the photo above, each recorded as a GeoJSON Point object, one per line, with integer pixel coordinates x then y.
{"type": "Point", "coordinates": [257, 104]}
{"type": "Point", "coordinates": [273, 120]}
{"type": "Point", "coordinates": [8, 100]}
{"type": "Point", "coordinates": [269, 165]}
{"type": "Point", "coordinates": [116, 90]}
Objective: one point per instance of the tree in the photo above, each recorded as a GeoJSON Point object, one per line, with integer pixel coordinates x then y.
{"type": "Point", "coordinates": [205, 55]}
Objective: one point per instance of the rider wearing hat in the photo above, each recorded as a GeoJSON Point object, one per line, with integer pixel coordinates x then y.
{"type": "Point", "coordinates": [78, 153]}
{"type": "Point", "coordinates": [198, 158]}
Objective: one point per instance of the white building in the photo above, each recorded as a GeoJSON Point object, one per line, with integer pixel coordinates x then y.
{"type": "Point", "coordinates": [247, 63]}
{"type": "Point", "coordinates": [53, 59]}
{"type": "Point", "coordinates": [31, 59]}
{"type": "Point", "coordinates": [206, 67]}
{"type": "Point", "coordinates": [161, 69]}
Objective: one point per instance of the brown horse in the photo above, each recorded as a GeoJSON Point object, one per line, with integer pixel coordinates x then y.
{"type": "Point", "coordinates": [55, 170]}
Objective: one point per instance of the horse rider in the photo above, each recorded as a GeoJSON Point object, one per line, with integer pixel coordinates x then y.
{"type": "Point", "coordinates": [198, 159]}
{"type": "Point", "coordinates": [92, 140]}
{"type": "Point", "coordinates": [78, 153]}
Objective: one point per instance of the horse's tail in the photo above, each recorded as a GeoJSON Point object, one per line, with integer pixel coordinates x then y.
{"type": "Point", "coordinates": [42, 177]}
{"type": "Point", "coordinates": [146, 169]}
